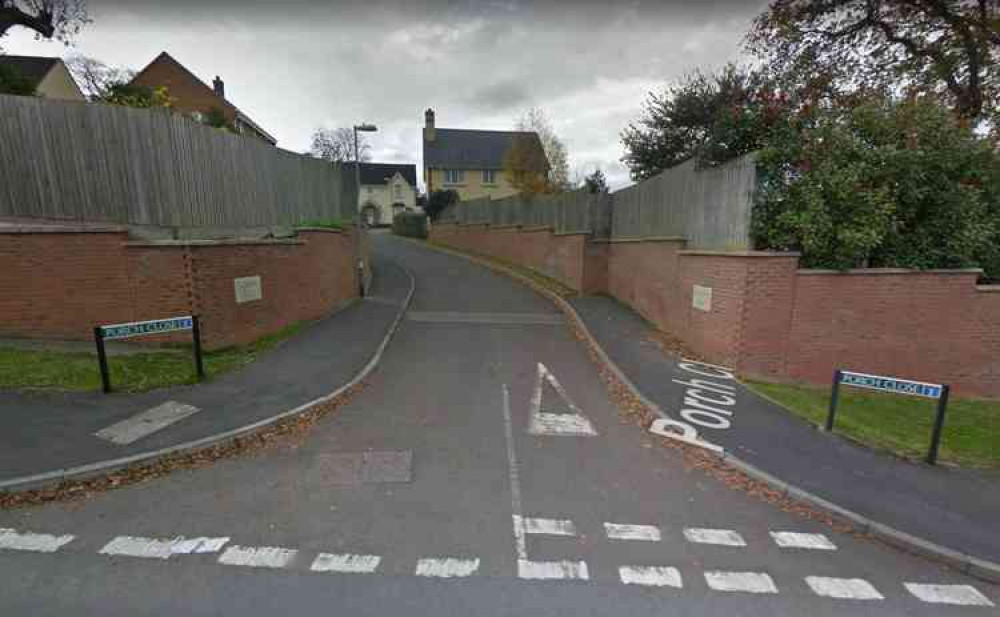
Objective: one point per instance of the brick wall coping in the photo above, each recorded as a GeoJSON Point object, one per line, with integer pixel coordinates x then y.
{"type": "Point", "coordinates": [325, 230]}
{"type": "Point", "coordinates": [988, 289]}
{"type": "Point", "coordinates": [885, 271]}
{"type": "Point", "coordinates": [62, 229]}
{"type": "Point", "coordinates": [755, 254]}
{"type": "Point", "coordinates": [571, 233]}
{"type": "Point", "coordinates": [229, 242]}
{"type": "Point", "coordinates": [627, 240]}
{"type": "Point", "coordinates": [508, 226]}
{"type": "Point", "coordinates": [538, 228]}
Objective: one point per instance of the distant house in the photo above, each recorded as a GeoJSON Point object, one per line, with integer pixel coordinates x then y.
{"type": "Point", "coordinates": [479, 163]}
{"type": "Point", "coordinates": [386, 190]}
{"type": "Point", "coordinates": [49, 76]}
{"type": "Point", "coordinates": [195, 98]}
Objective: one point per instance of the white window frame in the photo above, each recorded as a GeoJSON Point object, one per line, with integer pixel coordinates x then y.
{"type": "Point", "coordinates": [454, 176]}
{"type": "Point", "coordinates": [490, 176]}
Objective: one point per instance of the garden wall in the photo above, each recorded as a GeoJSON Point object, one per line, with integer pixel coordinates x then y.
{"type": "Point", "coordinates": [58, 283]}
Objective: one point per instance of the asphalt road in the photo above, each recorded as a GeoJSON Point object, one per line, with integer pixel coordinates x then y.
{"type": "Point", "coordinates": [430, 494]}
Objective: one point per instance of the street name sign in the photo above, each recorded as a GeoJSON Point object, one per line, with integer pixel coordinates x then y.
{"type": "Point", "coordinates": [891, 384]}
{"type": "Point", "coordinates": [143, 328]}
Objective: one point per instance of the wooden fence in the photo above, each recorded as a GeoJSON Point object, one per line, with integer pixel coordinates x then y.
{"type": "Point", "coordinates": [711, 208]}
{"type": "Point", "coordinates": [96, 162]}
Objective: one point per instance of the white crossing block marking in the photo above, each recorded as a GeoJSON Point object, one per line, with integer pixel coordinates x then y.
{"type": "Point", "coordinates": [552, 570]}
{"type": "Point", "coordinates": [722, 537]}
{"type": "Point", "coordinates": [963, 595]}
{"type": "Point", "coordinates": [571, 423]}
{"type": "Point", "coordinates": [792, 539]}
{"type": "Point", "coordinates": [652, 576]}
{"type": "Point", "coordinates": [617, 531]}
{"type": "Point", "coordinates": [258, 556]}
{"type": "Point", "coordinates": [749, 582]}
{"type": "Point", "coordinates": [10, 539]}
{"type": "Point", "coordinates": [549, 526]}
{"type": "Point", "coordinates": [157, 548]}
{"type": "Point", "coordinates": [843, 588]}
{"type": "Point", "coordinates": [358, 564]}
{"type": "Point", "coordinates": [447, 567]}
{"type": "Point", "coordinates": [146, 423]}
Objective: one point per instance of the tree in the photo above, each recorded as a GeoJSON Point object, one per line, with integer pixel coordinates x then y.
{"type": "Point", "coordinates": [715, 116]}
{"type": "Point", "coordinates": [95, 77]}
{"type": "Point", "coordinates": [595, 182]}
{"type": "Point", "coordinates": [536, 121]}
{"type": "Point", "coordinates": [337, 145]}
{"type": "Point", "coordinates": [58, 19]}
{"type": "Point", "coordinates": [142, 97]}
{"type": "Point", "coordinates": [438, 200]}
{"type": "Point", "coordinates": [947, 47]}
{"type": "Point", "coordinates": [12, 82]}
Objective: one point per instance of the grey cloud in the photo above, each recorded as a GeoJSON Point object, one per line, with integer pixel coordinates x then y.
{"type": "Point", "coordinates": [508, 94]}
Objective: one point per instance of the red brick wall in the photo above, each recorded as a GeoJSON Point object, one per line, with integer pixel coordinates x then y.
{"type": "Point", "coordinates": [60, 285]}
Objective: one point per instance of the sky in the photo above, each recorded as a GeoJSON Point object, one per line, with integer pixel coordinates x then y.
{"type": "Point", "coordinates": [295, 65]}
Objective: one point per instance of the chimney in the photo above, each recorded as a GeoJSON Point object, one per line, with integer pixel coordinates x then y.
{"type": "Point", "coordinates": [430, 133]}
{"type": "Point", "coordinates": [219, 86]}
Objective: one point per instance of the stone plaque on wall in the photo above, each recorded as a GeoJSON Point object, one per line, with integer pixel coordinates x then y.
{"type": "Point", "coordinates": [248, 289]}
{"type": "Point", "coordinates": [701, 298]}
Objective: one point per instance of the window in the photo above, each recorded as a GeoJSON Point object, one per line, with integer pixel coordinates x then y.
{"type": "Point", "coordinates": [489, 176]}
{"type": "Point", "coordinates": [454, 176]}
{"type": "Point", "coordinates": [398, 191]}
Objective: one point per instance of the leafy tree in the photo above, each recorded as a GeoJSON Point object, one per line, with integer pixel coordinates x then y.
{"type": "Point", "coordinates": [715, 116]}
{"type": "Point", "coordinates": [143, 97]}
{"type": "Point", "coordinates": [11, 82]}
{"type": "Point", "coordinates": [216, 118]}
{"type": "Point", "coordinates": [596, 182]}
{"type": "Point", "coordinates": [885, 182]}
{"type": "Point", "coordinates": [946, 47]}
{"type": "Point", "coordinates": [522, 160]}
{"type": "Point", "coordinates": [58, 19]}
{"type": "Point", "coordinates": [337, 145]}
{"type": "Point", "coordinates": [438, 200]}
{"type": "Point", "coordinates": [95, 77]}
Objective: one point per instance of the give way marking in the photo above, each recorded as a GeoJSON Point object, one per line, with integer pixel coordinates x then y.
{"type": "Point", "coordinates": [568, 421]}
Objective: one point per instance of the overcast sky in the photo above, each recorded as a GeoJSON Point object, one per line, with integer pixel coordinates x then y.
{"type": "Point", "coordinates": [294, 65]}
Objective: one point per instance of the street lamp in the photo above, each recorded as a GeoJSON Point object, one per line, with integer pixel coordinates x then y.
{"type": "Point", "coordinates": [365, 128]}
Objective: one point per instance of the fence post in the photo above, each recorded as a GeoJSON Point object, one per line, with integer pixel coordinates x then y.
{"type": "Point", "coordinates": [834, 396]}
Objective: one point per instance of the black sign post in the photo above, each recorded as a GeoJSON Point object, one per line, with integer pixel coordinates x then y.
{"type": "Point", "coordinates": [894, 386]}
{"type": "Point", "coordinates": [143, 328]}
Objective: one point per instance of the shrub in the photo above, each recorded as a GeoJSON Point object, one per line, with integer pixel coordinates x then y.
{"type": "Point", "coordinates": [410, 224]}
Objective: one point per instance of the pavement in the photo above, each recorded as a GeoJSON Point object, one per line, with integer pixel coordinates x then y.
{"type": "Point", "coordinates": [484, 470]}
{"type": "Point", "coordinates": [47, 431]}
{"type": "Point", "coordinates": [956, 508]}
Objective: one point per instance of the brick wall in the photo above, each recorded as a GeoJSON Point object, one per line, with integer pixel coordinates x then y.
{"type": "Point", "coordinates": [60, 285]}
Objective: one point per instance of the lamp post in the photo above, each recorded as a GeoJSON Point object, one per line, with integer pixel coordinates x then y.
{"type": "Point", "coordinates": [365, 128]}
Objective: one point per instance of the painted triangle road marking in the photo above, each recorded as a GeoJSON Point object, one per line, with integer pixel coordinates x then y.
{"type": "Point", "coordinates": [569, 423]}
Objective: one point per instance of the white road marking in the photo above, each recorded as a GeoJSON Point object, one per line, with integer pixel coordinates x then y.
{"type": "Point", "coordinates": [652, 576]}
{"type": "Point", "coordinates": [963, 595]}
{"type": "Point", "coordinates": [549, 526]}
{"type": "Point", "coordinates": [10, 539]}
{"type": "Point", "coordinates": [146, 423]}
{"type": "Point", "coordinates": [447, 567]}
{"type": "Point", "coordinates": [158, 548]}
{"type": "Point", "coordinates": [792, 539]}
{"type": "Point", "coordinates": [749, 582]}
{"type": "Point", "coordinates": [573, 423]}
{"type": "Point", "coordinates": [843, 588]}
{"type": "Point", "coordinates": [258, 556]}
{"type": "Point", "coordinates": [359, 564]}
{"type": "Point", "coordinates": [552, 570]}
{"type": "Point", "coordinates": [520, 543]}
{"type": "Point", "coordinates": [722, 537]}
{"type": "Point", "coordinates": [617, 531]}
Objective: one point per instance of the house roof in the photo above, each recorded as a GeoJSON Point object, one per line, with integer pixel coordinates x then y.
{"type": "Point", "coordinates": [165, 57]}
{"type": "Point", "coordinates": [376, 173]}
{"type": "Point", "coordinates": [31, 68]}
{"type": "Point", "coordinates": [474, 149]}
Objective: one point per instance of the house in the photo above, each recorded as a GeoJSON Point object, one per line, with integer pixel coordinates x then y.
{"type": "Point", "coordinates": [386, 190]}
{"type": "Point", "coordinates": [195, 98]}
{"type": "Point", "coordinates": [49, 76]}
{"type": "Point", "coordinates": [479, 163]}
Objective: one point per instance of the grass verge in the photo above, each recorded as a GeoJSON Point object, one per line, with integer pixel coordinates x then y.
{"type": "Point", "coordinates": [21, 368]}
{"type": "Point", "coordinates": [900, 424]}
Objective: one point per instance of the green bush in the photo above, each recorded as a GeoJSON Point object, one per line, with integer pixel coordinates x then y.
{"type": "Point", "coordinates": [410, 224]}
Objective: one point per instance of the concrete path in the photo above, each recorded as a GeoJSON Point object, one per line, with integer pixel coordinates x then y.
{"type": "Point", "coordinates": [483, 471]}
{"type": "Point", "coordinates": [958, 509]}
{"type": "Point", "coordinates": [42, 431]}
